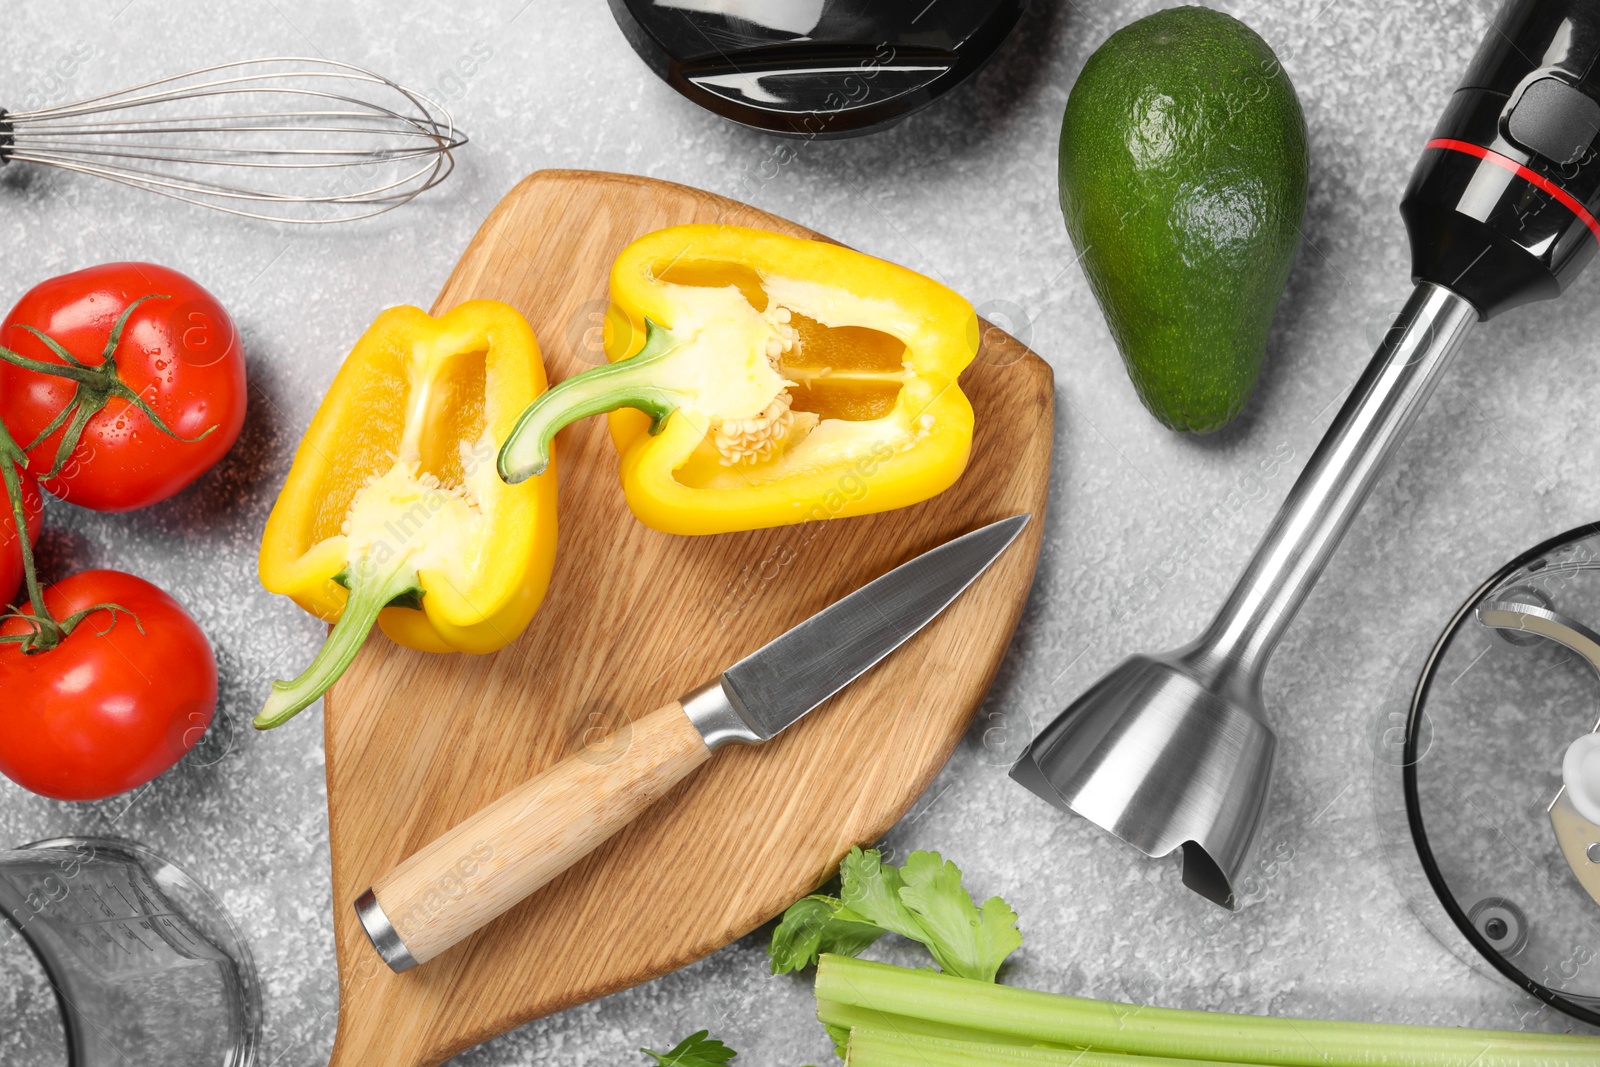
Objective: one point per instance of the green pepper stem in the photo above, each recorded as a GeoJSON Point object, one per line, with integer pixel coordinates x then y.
{"type": "Point", "coordinates": [631, 383]}
{"type": "Point", "coordinates": [371, 590]}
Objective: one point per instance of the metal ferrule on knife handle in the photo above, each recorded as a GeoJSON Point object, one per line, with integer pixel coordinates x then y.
{"type": "Point", "coordinates": [719, 716]}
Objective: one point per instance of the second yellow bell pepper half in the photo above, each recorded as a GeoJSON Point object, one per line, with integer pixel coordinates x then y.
{"type": "Point", "coordinates": [393, 512]}
{"type": "Point", "coordinates": [759, 379]}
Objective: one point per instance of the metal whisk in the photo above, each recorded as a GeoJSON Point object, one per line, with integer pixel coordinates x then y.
{"type": "Point", "coordinates": [283, 139]}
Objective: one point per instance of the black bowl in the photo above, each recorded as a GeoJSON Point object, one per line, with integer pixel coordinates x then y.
{"type": "Point", "coordinates": [815, 68]}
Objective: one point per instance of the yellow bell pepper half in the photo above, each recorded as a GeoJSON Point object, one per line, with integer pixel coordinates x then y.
{"type": "Point", "coordinates": [776, 380]}
{"type": "Point", "coordinates": [393, 512]}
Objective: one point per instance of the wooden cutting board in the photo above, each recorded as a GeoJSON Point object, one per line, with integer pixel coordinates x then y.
{"type": "Point", "coordinates": [634, 618]}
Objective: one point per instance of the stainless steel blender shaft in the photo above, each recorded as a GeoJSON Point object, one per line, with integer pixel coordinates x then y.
{"type": "Point", "coordinates": [1173, 750]}
{"type": "Point", "coordinates": [1334, 485]}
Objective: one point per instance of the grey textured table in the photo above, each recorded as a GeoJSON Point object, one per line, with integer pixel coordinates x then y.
{"type": "Point", "coordinates": [1146, 528]}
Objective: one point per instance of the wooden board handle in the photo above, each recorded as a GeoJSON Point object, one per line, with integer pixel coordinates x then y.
{"type": "Point", "coordinates": [489, 862]}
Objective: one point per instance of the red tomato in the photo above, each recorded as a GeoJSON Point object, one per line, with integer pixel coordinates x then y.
{"type": "Point", "coordinates": [109, 708]}
{"type": "Point", "coordinates": [10, 544]}
{"type": "Point", "coordinates": [181, 354]}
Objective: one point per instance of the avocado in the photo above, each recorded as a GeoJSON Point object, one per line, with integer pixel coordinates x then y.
{"type": "Point", "coordinates": [1183, 184]}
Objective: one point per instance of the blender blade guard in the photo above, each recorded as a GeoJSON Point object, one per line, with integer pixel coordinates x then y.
{"type": "Point", "coordinates": [1156, 757]}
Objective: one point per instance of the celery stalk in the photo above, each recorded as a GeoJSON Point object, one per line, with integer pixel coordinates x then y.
{"type": "Point", "coordinates": [885, 1048]}
{"type": "Point", "coordinates": [1026, 1014]}
{"type": "Point", "coordinates": [853, 1018]}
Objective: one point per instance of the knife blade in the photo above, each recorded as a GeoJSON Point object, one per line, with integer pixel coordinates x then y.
{"type": "Point", "coordinates": [776, 685]}
{"type": "Point", "coordinates": [487, 863]}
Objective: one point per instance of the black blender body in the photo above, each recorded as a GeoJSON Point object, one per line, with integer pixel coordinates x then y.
{"type": "Point", "coordinates": [1500, 209]}
{"type": "Point", "coordinates": [815, 68]}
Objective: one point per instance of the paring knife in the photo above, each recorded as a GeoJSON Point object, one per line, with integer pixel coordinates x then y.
{"type": "Point", "coordinates": [486, 864]}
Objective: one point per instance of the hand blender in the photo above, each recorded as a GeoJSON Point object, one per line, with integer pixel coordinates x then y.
{"type": "Point", "coordinates": [1173, 750]}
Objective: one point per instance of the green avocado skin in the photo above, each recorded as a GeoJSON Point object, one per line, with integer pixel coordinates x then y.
{"type": "Point", "coordinates": [1183, 184]}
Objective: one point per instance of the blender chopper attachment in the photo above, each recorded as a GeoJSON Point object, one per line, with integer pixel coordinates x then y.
{"type": "Point", "coordinates": [1173, 750]}
{"type": "Point", "coordinates": [1508, 694]}
{"type": "Point", "coordinates": [815, 68]}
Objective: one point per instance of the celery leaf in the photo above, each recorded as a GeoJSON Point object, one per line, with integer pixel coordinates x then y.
{"type": "Point", "coordinates": [699, 1049]}
{"type": "Point", "coordinates": [871, 889]}
{"type": "Point", "coordinates": [964, 940]}
{"type": "Point", "coordinates": [814, 925]}
{"type": "Point", "coordinates": [924, 901]}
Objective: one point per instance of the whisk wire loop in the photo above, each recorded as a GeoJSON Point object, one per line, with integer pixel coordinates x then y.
{"type": "Point", "coordinates": [284, 139]}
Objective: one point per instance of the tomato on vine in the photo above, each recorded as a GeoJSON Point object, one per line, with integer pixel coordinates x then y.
{"type": "Point", "coordinates": [125, 693]}
{"type": "Point", "coordinates": [106, 681]}
{"type": "Point", "coordinates": [125, 382]}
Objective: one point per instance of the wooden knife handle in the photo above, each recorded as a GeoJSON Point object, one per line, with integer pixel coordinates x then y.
{"type": "Point", "coordinates": [492, 860]}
